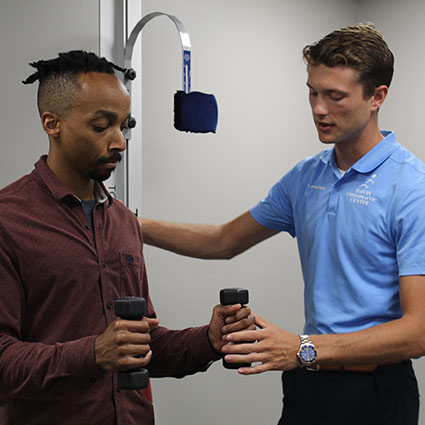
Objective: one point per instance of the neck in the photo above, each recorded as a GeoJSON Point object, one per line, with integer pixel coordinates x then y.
{"type": "Point", "coordinates": [348, 153]}
{"type": "Point", "coordinates": [81, 187]}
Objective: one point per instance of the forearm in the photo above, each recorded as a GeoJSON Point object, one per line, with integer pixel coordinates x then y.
{"type": "Point", "coordinates": [391, 342]}
{"type": "Point", "coordinates": [31, 369]}
{"type": "Point", "coordinates": [192, 240]}
{"type": "Point", "coordinates": [40, 371]}
{"type": "Point", "coordinates": [178, 353]}
{"type": "Point", "coordinates": [205, 240]}
{"type": "Point", "coordinates": [383, 344]}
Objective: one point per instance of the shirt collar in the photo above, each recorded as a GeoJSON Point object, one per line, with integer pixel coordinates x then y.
{"type": "Point", "coordinates": [375, 157]}
{"type": "Point", "coordinates": [48, 180]}
{"type": "Point", "coordinates": [100, 193]}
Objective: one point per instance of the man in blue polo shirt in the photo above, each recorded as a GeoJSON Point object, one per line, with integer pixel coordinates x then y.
{"type": "Point", "coordinates": [348, 228]}
{"type": "Point", "coordinates": [357, 212]}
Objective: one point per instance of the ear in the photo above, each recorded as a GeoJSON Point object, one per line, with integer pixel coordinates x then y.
{"type": "Point", "coordinates": [51, 123]}
{"type": "Point", "coordinates": [379, 97]}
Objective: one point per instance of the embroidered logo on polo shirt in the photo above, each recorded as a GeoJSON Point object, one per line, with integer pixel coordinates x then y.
{"type": "Point", "coordinates": [316, 187]}
{"type": "Point", "coordinates": [363, 194]}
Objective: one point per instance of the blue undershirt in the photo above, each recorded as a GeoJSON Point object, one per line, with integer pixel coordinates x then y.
{"type": "Point", "coordinates": [88, 210]}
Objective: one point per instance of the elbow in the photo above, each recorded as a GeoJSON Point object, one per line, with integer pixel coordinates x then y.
{"type": "Point", "coordinates": [224, 254]}
{"type": "Point", "coordinates": [227, 244]}
{"type": "Point", "coordinates": [233, 251]}
{"type": "Point", "coordinates": [227, 247]}
{"type": "Point", "coordinates": [420, 346]}
{"type": "Point", "coordinates": [415, 346]}
{"type": "Point", "coordinates": [229, 254]}
{"type": "Point", "coordinates": [224, 248]}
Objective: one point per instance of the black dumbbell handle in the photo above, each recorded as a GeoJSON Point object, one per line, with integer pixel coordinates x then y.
{"type": "Point", "coordinates": [229, 296]}
{"type": "Point", "coordinates": [132, 308]}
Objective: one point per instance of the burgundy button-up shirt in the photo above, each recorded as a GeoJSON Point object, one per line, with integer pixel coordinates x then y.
{"type": "Point", "coordinates": [58, 282]}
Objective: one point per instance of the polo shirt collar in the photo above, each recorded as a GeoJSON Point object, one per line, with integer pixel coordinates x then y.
{"type": "Point", "coordinates": [54, 185]}
{"type": "Point", "coordinates": [378, 154]}
{"type": "Point", "coordinates": [375, 157]}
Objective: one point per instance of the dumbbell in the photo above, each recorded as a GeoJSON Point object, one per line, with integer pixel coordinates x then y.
{"type": "Point", "coordinates": [132, 308]}
{"type": "Point", "coordinates": [229, 296]}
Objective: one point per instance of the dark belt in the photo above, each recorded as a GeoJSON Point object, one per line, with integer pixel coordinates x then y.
{"type": "Point", "coordinates": [367, 368]}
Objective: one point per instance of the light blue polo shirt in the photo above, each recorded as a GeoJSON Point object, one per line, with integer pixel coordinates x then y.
{"type": "Point", "coordinates": [356, 234]}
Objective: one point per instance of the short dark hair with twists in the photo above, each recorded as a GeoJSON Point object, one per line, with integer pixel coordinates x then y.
{"type": "Point", "coordinates": [59, 80]}
{"type": "Point", "coordinates": [360, 47]}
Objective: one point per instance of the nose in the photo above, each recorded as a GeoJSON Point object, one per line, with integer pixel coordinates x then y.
{"type": "Point", "coordinates": [118, 141]}
{"type": "Point", "coordinates": [319, 106]}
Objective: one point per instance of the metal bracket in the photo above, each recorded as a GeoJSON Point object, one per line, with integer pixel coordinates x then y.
{"type": "Point", "coordinates": [130, 73]}
{"type": "Point", "coordinates": [184, 39]}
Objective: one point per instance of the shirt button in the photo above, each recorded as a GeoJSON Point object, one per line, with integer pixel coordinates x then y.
{"type": "Point", "coordinates": [109, 305]}
{"type": "Point", "coordinates": [104, 265]}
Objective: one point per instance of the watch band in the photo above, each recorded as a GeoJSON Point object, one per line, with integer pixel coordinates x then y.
{"type": "Point", "coordinates": [305, 339]}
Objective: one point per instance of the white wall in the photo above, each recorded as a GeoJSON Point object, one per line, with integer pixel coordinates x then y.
{"type": "Point", "coordinates": [29, 31]}
{"type": "Point", "coordinates": [248, 53]}
{"type": "Point", "coordinates": [403, 24]}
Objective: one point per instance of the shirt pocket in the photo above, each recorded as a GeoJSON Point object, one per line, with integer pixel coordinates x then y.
{"type": "Point", "coordinates": [131, 274]}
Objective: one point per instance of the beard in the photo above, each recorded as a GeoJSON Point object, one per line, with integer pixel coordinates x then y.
{"type": "Point", "coordinates": [100, 173]}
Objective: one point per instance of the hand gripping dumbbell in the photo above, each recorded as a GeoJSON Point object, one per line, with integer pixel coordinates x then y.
{"type": "Point", "coordinates": [229, 296]}
{"type": "Point", "coordinates": [132, 308]}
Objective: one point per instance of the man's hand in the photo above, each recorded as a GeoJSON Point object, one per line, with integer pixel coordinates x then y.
{"type": "Point", "coordinates": [228, 319]}
{"type": "Point", "coordinates": [124, 345]}
{"type": "Point", "coordinates": [270, 346]}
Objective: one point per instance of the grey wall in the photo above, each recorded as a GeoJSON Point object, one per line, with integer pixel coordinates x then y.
{"type": "Point", "coordinates": [29, 31]}
{"type": "Point", "coordinates": [403, 24]}
{"type": "Point", "coordinates": [248, 53]}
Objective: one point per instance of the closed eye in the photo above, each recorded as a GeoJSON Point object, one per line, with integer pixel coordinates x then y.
{"type": "Point", "coordinates": [99, 129]}
{"type": "Point", "coordinates": [336, 96]}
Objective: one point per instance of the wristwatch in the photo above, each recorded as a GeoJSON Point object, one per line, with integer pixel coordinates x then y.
{"type": "Point", "coordinates": [307, 352]}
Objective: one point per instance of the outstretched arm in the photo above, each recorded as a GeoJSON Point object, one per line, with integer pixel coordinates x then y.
{"type": "Point", "coordinates": [397, 340]}
{"type": "Point", "coordinates": [203, 240]}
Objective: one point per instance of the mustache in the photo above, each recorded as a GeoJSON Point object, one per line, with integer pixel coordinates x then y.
{"type": "Point", "coordinates": [115, 157]}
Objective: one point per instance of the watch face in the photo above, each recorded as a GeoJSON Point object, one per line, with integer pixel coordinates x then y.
{"type": "Point", "coordinates": [308, 353]}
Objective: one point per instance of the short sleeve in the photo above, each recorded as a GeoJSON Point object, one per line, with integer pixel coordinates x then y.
{"type": "Point", "coordinates": [409, 230]}
{"type": "Point", "coordinates": [275, 211]}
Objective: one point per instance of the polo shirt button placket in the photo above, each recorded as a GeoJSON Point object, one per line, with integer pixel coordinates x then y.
{"type": "Point", "coordinates": [333, 200]}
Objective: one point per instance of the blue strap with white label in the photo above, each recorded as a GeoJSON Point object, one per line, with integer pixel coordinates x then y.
{"type": "Point", "coordinates": [186, 71]}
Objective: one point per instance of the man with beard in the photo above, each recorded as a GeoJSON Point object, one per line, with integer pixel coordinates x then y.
{"type": "Point", "coordinates": [67, 252]}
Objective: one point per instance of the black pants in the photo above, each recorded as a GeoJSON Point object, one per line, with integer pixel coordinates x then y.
{"type": "Point", "coordinates": [388, 396]}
